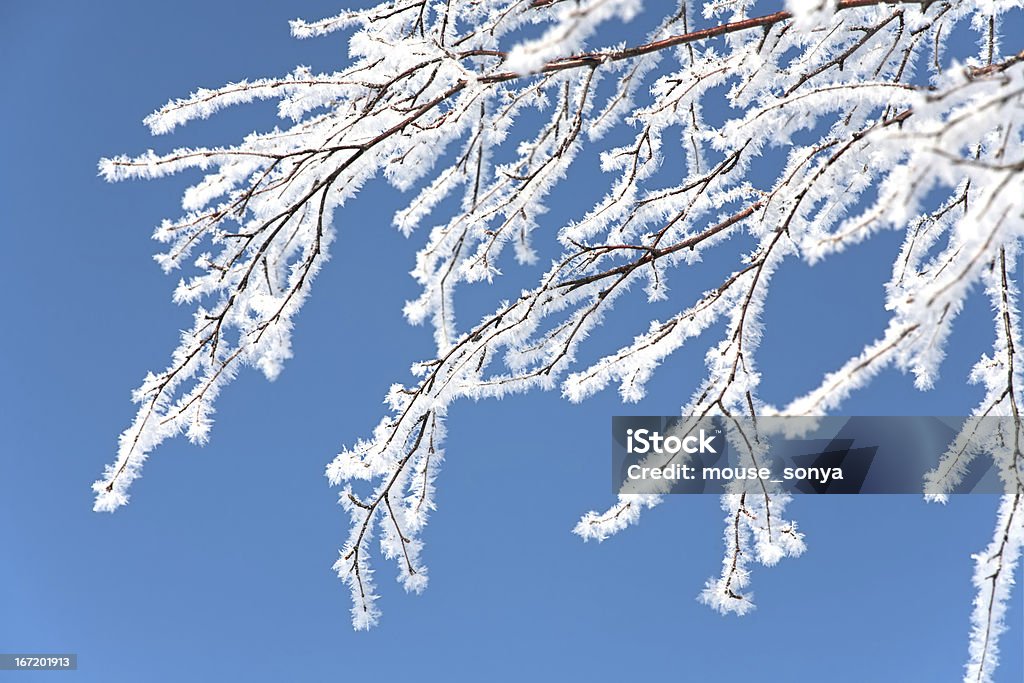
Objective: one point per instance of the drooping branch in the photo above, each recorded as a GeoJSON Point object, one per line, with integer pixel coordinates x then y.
{"type": "Point", "coordinates": [866, 142]}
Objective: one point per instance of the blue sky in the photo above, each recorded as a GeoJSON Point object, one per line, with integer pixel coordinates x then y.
{"type": "Point", "coordinates": [220, 567]}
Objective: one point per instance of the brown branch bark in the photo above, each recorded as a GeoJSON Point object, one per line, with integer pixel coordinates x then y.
{"type": "Point", "coordinates": [592, 58]}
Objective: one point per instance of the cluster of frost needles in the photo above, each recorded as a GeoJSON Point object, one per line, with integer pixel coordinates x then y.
{"type": "Point", "coordinates": [490, 102]}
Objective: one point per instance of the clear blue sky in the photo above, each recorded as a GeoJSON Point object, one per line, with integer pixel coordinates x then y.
{"type": "Point", "coordinates": [220, 567]}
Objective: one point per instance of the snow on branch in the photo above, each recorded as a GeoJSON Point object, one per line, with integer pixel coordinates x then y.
{"type": "Point", "coordinates": [844, 118]}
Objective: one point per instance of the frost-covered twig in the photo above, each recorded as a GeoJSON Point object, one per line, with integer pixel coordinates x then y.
{"type": "Point", "coordinates": [869, 119]}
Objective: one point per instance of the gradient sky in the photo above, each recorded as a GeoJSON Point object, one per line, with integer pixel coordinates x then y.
{"type": "Point", "coordinates": [220, 568]}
